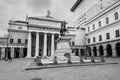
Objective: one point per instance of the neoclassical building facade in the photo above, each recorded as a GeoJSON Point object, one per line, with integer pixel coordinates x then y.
{"type": "Point", "coordinates": [99, 35]}
{"type": "Point", "coordinates": [102, 31]}
{"type": "Point", "coordinates": [34, 37]}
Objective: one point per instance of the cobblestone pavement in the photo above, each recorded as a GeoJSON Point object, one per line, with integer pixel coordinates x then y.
{"type": "Point", "coordinates": [14, 71]}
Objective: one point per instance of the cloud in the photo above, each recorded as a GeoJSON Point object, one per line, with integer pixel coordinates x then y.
{"type": "Point", "coordinates": [17, 10]}
{"type": "Point", "coordinates": [38, 5]}
{"type": "Point", "coordinates": [13, 2]}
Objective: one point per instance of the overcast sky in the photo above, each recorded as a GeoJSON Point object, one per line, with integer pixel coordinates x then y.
{"type": "Point", "coordinates": [18, 9]}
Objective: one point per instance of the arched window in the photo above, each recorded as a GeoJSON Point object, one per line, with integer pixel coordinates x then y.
{"type": "Point", "coordinates": [116, 15]}
{"type": "Point", "coordinates": [107, 20]}
{"type": "Point", "coordinates": [88, 29]}
{"type": "Point", "coordinates": [99, 23]}
{"type": "Point", "coordinates": [19, 27]}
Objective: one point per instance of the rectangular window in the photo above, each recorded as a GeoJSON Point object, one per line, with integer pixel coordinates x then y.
{"type": "Point", "coordinates": [99, 23]}
{"type": "Point", "coordinates": [19, 40]}
{"type": "Point", "coordinates": [89, 40]}
{"type": "Point", "coordinates": [117, 33]}
{"type": "Point", "coordinates": [107, 20]}
{"type": "Point", "coordinates": [88, 29]}
{"type": "Point", "coordinates": [73, 43]}
{"type": "Point", "coordinates": [93, 39]}
{"type": "Point", "coordinates": [93, 26]}
{"type": "Point", "coordinates": [107, 35]}
{"type": "Point", "coordinates": [26, 41]}
{"type": "Point", "coordinates": [100, 37]}
{"type": "Point", "coordinates": [11, 40]}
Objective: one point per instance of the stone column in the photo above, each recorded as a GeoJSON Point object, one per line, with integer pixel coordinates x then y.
{"type": "Point", "coordinates": [114, 54]}
{"type": "Point", "coordinates": [105, 53]}
{"type": "Point", "coordinates": [45, 45]}
{"type": "Point", "coordinates": [52, 45]}
{"type": "Point", "coordinates": [98, 52]}
{"type": "Point", "coordinates": [37, 45]}
{"type": "Point", "coordinates": [59, 35]}
{"type": "Point", "coordinates": [12, 52]}
{"type": "Point", "coordinates": [92, 53]}
{"type": "Point", "coordinates": [29, 46]}
{"type": "Point", "coordinates": [79, 51]}
{"type": "Point", "coordinates": [21, 52]}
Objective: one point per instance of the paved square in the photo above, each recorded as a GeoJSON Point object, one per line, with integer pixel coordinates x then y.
{"type": "Point", "coordinates": [13, 71]}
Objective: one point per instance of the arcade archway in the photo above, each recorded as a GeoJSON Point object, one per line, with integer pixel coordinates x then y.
{"type": "Point", "coordinates": [109, 50]}
{"type": "Point", "coordinates": [101, 50]}
{"type": "Point", "coordinates": [89, 51]}
{"type": "Point", "coordinates": [76, 52]}
{"type": "Point", "coordinates": [95, 51]}
{"type": "Point", "coordinates": [117, 48]}
{"type": "Point", "coordinates": [17, 53]}
{"type": "Point", "coordinates": [24, 52]}
{"type": "Point", "coordinates": [8, 52]}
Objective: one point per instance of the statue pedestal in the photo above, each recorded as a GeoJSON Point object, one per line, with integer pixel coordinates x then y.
{"type": "Point", "coordinates": [63, 46]}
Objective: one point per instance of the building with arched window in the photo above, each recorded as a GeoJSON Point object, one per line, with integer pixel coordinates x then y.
{"type": "Point", "coordinates": [34, 37]}
{"type": "Point", "coordinates": [102, 30]}
{"type": "Point", "coordinates": [107, 33]}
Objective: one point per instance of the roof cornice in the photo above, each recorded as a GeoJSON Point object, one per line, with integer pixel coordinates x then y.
{"type": "Point", "coordinates": [37, 18]}
{"type": "Point", "coordinates": [42, 26]}
{"type": "Point", "coordinates": [103, 12]}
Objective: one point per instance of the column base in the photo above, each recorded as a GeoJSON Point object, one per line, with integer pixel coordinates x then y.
{"type": "Point", "coordinates": [44, 57]}
{"type": "Point", "coordinates": [28, 57]}
{"type": "Point", "coordinates": [36, 56]}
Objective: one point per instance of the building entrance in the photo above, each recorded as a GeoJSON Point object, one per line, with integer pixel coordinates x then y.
{"type": "Point", "coordinates": [95, 51]}
{"type": "Point", "coordinates": [24, 52]}
{"type": "Point", "coordinates": [109, 50]}
{"type": "Point", "coordinates": [17, 53]}
{"type": "Point", "coordinates": [101, 50]}
{"type": "Point", "coordinates": [117, 47]}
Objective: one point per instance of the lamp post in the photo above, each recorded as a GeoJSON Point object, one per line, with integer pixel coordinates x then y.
{"type": "Point", "coordinates": [6, 53]}
{"type": "Point", "coordinates": [86, 48]}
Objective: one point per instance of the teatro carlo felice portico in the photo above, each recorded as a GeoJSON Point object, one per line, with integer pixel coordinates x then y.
{"type": "Point", "coordinates": [39, 33]}
{"type": "Point", "coordinates": [34, 37]}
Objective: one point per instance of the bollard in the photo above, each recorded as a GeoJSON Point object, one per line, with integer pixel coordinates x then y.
{"type": "Point", "coordinates": [102, 59]}
{"type": "Point", "coordinates": [81, 59]}
{"type": "Point", "coordinates": [69, 60]}
{"type": "Point", "coordinates": [92, 59]}
{"type": "Point", "coordinates": [55, 60]}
